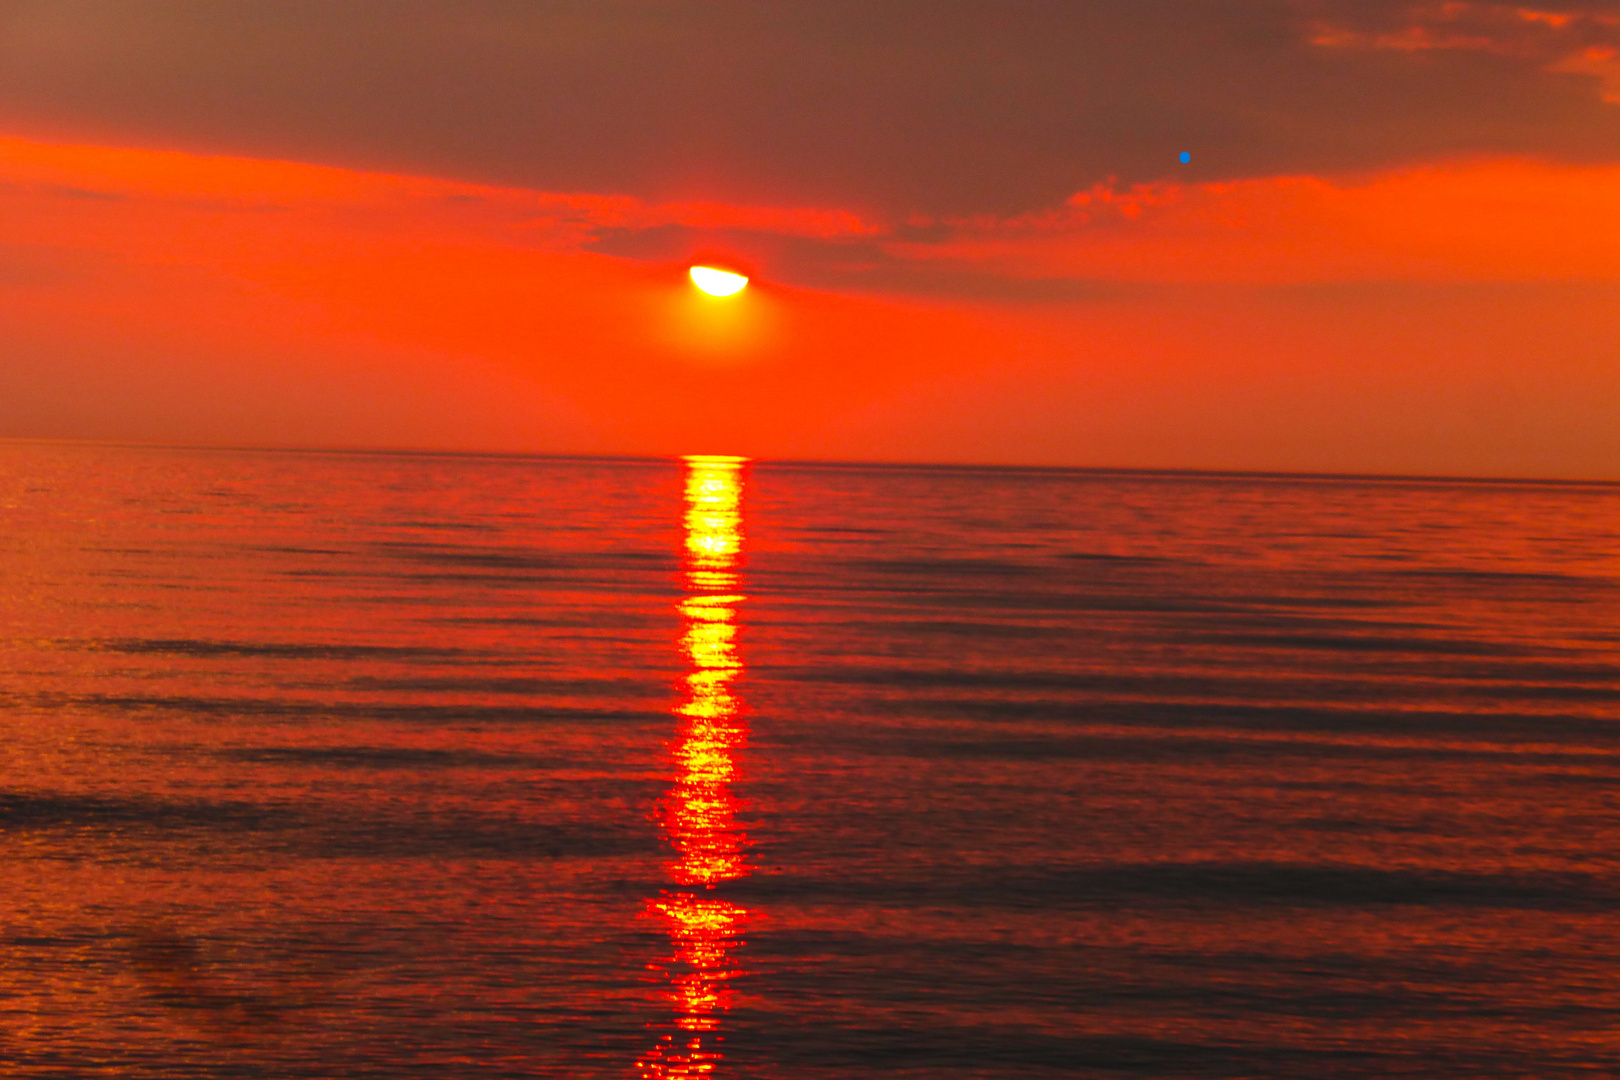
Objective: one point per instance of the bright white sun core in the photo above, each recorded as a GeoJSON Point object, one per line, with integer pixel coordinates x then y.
{"type": "Point", "coordinates": [717, 282]}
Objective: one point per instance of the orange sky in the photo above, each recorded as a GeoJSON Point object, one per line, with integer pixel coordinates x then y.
{"type": "Point", "coordinates": [1459, 319]}
{"type": "Point", "coordinates": [1458, 314]}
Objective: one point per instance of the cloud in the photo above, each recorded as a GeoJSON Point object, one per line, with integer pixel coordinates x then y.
{"type": "Point", "coordinates": [1495, 220]}
{"type": "Point", "coordinates": [1566, 41]}
{"type": "Point", "coordinates": [1600, 61]}
{"type": "Point", "coordinates": [244, 184]}
{"type": "Point", "coordinates": [1474, 220]}
{"type": "Point", "coordinates": [1485, 220]}
{"type": "Point", "coordinates": [994, 107]}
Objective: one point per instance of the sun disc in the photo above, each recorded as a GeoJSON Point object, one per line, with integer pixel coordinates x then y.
{"type": "Point", "coordinates": [717, 282]}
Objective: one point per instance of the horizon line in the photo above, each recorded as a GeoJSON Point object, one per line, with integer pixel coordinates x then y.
{"type": "Point", "coordinates": [843, 463]}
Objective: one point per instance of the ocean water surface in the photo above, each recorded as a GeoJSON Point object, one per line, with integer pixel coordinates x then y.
{"type": "Point", "coordinates": [352, 765]}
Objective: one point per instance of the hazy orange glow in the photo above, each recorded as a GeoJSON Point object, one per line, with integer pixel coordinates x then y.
{"type": "Point", "coordinates": [175, 297]}
{"type": "Point", "coordinates": [699, 812]}
{"type": "Point", "coordinates": [429, 280]}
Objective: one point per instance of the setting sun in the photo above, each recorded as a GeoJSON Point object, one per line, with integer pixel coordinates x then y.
{"type": "Point", "coordinates": [1131, 583]}
{"type": "Point", "coordinates": [717, 282]}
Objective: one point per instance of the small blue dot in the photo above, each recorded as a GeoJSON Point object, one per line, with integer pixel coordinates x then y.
{"type": "Point", "coordinates": [1185, 157]}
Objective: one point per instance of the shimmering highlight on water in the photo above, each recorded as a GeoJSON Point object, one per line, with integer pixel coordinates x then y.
{"type": "Point", "coordinates": [389, 765]}
{"type": "Point", "coordinates": [700, 809]}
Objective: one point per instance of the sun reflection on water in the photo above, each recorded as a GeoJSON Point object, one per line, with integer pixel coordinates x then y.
{"type": "Point", "coordinates": [699, 812]}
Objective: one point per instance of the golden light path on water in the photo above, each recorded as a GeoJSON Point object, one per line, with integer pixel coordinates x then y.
{"type": "Point", "coordinates": [699, 811]}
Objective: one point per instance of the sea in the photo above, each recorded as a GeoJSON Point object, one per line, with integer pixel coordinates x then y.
{"type": "Point", "coordinates": [322, 764]}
